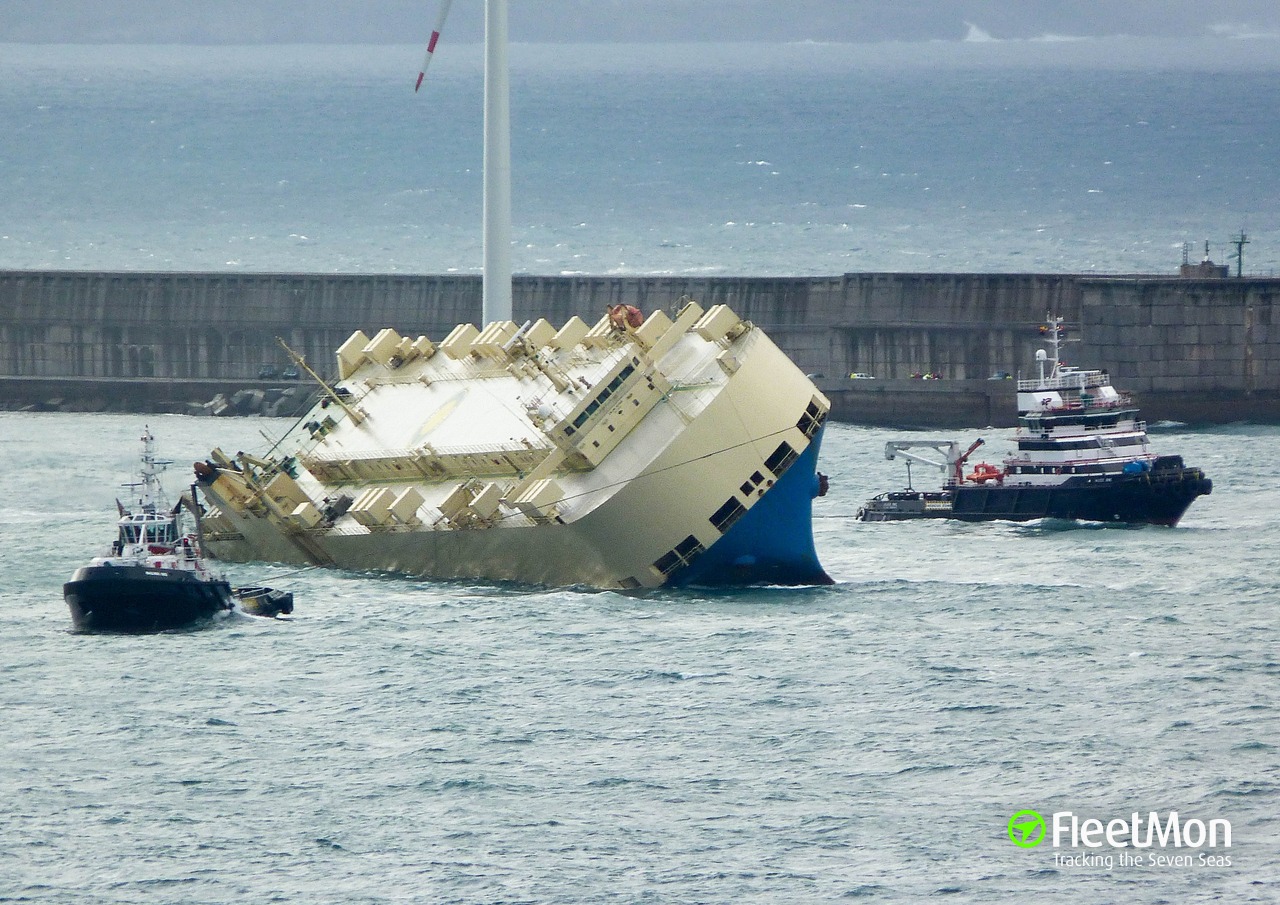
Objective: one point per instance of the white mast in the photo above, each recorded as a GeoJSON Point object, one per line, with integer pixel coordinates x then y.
{"type": "Point", "coordinates": [497, 166]}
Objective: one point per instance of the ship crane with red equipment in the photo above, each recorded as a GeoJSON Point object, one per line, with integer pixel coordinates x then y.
{"type": "Point", "coordinates": [951, 465]}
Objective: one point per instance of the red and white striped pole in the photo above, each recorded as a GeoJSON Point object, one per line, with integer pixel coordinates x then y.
{"type": "Point", "coordinates": [431, 44]}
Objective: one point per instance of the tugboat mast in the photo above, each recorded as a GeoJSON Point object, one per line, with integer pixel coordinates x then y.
{"type": "Point", "coordinates": [152, 489]}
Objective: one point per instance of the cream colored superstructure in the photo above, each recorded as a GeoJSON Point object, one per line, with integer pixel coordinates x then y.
{"type": "Point", "coordinates": [606, 455]}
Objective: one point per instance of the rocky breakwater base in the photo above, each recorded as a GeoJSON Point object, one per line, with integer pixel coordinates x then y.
{"type": "Point", "coordinates": [203, 399]}
{"type": "Point", "coordinates": [272, 402]}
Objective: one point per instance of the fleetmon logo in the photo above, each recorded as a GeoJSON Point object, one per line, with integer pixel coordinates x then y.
{"type": "Point", "coordinates": [1026, 829]}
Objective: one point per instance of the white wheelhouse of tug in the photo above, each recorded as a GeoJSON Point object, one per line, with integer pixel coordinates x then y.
{"type": "Point", "coordinates": [1073, 422]}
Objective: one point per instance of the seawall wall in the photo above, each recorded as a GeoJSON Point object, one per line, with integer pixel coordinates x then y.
{"type": "Point", "coordinates": [1198, 350]}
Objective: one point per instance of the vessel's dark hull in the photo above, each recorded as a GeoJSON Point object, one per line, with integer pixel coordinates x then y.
{"type": "Point", "coordinates": [1156, 498]}
{"type": "Point", "coordinates": [141, 599]}
{"type": "Point", "coordinates": [259, 601]}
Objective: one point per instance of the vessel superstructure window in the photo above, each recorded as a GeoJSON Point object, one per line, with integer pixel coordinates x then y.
{"type": "Point", "coordinates": [684, 553]}
{"type": "Point", "coordinates": [781, 459]}
{"type": "Point", "coordinates": [603, 395]}
{"type": "Point", "coordinates": [160, 533]}
{"type": "Point", "coordinates": [1087, 443]}
{"type": "Point", "coordinates": [724, 517]}
{"type": "Point", "coordinates": [811, 420]}
{"type": "Point", "coordinates": [752, 483]}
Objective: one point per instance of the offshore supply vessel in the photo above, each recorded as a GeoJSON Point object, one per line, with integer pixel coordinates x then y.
{"type": "Point", "coordinates": [1081, 453]}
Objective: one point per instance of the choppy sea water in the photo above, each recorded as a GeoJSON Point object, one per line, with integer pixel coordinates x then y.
{"type": "Point", "coordinates": [745, 160]}
{"type": "Point", "coordinates": [403, 740]}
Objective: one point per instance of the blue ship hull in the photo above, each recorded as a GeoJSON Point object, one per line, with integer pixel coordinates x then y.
{"type": "Point", "coordinates": [773, 542]}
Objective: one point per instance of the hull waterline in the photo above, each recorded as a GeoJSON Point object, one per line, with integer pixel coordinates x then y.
{"type": "Point", "coordinates": [711, 439]}
{"type": "Point", "coordinates": [1157, 499]}
{"type": "Point", "coordinates": [142, 599]}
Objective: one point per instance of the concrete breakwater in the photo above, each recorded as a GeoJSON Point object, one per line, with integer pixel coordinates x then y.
{"type": "Point", "coordinates": [1195, 350]}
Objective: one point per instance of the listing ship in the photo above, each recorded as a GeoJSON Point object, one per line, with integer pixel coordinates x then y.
{"type": "Point", "coordinates": [154, 576]}
{"type": "Point", "coordinates": [632, 453]}
{"type": "Point", "coordinates": [1082, 454]}
{"type": "Point", "coordinates": [637, 452]}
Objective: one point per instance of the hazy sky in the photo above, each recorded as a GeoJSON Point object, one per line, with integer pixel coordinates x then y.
{"type": "Point", "coordinates": [402, 21]}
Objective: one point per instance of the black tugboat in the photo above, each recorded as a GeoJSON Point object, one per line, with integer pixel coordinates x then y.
{"type": "Point", "coordinates": [1081, 454]}
{"type": "Point", "coordinates": [154, 576]}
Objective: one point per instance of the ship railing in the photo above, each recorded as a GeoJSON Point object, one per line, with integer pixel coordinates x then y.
{"type": "Point", "coordinates": [429, 519]}
{"type": "Point", "coordinates": [1089, 404]}
{"type": "Point", "coordinates": [427, 461]}
{"type": "Point", "coordinates": [458, 449]}
{"type": "Point", "coordinates": [1073, 380]}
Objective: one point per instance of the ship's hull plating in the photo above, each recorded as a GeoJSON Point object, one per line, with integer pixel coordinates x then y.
{"type": "Point", "coordinates": [773, 542]}
{"type": "Point", "coordinates": [141, 599]}
{"type": "Point", "coordinates": [659, 526]}
{"type": "Point", "coordinates": [1157, 498]}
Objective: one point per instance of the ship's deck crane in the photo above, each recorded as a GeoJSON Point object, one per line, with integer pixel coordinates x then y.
{"type": "Point", "coordinates": [953, 459]}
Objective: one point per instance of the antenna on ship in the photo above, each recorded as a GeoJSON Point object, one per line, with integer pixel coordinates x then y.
{"type": "Point", "coordinates": [496, 294]}
{"type": "Point", "coordinates": [1053, 329]}
{"type": "Point", "coordinates": [152, 491]}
